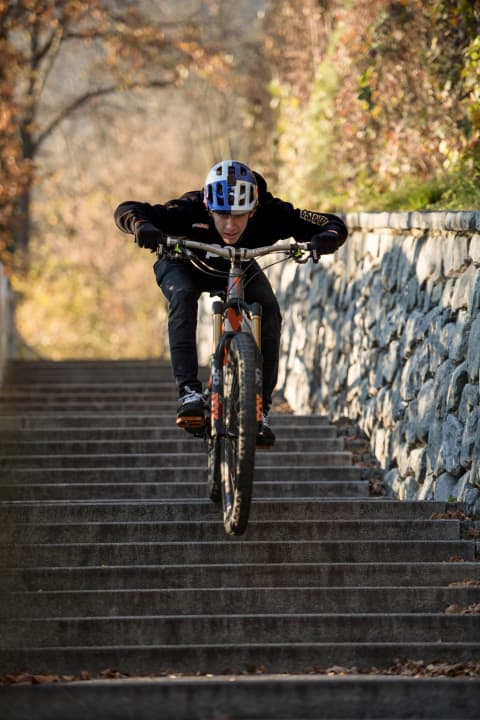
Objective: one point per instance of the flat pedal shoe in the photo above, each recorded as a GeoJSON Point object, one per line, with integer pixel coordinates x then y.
{"type": "Point", "coordinates": [191, 411]}
{"type": "Point", "coordinates": [265, 439]}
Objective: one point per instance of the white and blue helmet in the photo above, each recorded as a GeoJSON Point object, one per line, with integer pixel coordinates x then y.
{"type": "Point", "coordinates": [230, 187]}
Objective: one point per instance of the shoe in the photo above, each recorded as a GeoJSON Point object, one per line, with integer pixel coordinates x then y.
{"type": "Point", "coordinates": [265, 436]}
{"type": "Point", "coordinates": [191, 410]}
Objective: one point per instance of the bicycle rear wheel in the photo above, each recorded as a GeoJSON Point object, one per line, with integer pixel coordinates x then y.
{"type": "Point", "coordinates": [242, 387]}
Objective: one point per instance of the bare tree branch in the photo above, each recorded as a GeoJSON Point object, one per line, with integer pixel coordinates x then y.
{"type": "Point", "coordinates": [54, 45]}
{"type": "Point", "coordinates": [37, 58]}
{"type": "Point", "coordinates": [86, 98]}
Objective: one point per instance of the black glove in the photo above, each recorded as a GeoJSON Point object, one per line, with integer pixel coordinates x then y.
{"type": "Point", "coordinates": [323, 243]}
{"type": "Point", "coordinates": [148, 236]}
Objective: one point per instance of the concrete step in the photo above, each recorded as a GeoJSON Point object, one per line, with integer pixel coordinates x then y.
{"type": "Point", "coordinates": [157, 432]}
{"type": "Point", "coordinates": [271, 509]}
{"type": "Point", "coordinates": [226, 628]}
{"type": "Point", "coordinates": [196, 458]}
{"type": "Point", "coordinates": [280, 657]}
{"type": "Point", "coordinates": [88, 394]}
{"type": "Point", "coordinates": [182, 443]}
{"type": "Point", "coordinates": [205, 530]}
{"type": "Point", "coordinates": [84, 371]}
{"type": "Point", "coordinates": [249, 600]}
{"type": "Point", "coordinates": [134, 405]}
{"type": "Point", "coordinates": [247, 697]}
{"type": "Point", "coordinates": [58, 477]}
{"type": "Point", "coordinates": [82, 388]}
{"type": "Point", "coordinates": [228, 551]}
{"type": "Point", "coordinates": [134, 420]}
{"type": "Point", "coordinates": [177, 489]}
{"type": "Point", "coordinates": [85, 401]}
{"type": "Point", "coordinates": [80, 404]}
{"type": "Point", "coordinates": [252, 574]}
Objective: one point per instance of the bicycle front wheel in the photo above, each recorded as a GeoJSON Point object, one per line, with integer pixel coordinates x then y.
{"type": "Point", "coordinates": [242, 388]}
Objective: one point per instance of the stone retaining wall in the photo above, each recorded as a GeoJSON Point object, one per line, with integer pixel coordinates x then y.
{"type": "Point", "coordinates": [387, 332]}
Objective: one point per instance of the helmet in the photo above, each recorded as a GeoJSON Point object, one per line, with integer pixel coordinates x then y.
{"type": "Point", "coordinates": [230, 188]}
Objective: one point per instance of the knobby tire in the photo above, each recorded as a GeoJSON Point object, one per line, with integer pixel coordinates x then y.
{"type": "Point", "coordinates": [214, 475]}
{"type": "Point", "coordinates": [241, 375]}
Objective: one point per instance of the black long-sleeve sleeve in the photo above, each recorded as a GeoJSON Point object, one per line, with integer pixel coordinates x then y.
{"type": "Point", "coordinates": [273, 219]}
{"type": "Point", "coordinates": [175, 216]}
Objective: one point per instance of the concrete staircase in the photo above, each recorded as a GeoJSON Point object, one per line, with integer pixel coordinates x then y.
{"type": "Point", "coordinates": [114, 562]}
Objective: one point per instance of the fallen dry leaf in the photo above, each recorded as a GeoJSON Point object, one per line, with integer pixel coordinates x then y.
{"type": "Point", "coordinates": [453, 610]}
{"type": "Point", "coordinates": [450, 515]}
{"type": "Point", "coordinates": [41, 679]}
{"type": "Point", "coordinates": [467, 582]}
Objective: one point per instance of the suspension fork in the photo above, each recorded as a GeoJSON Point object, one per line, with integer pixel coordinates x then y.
{"type": "Point", "coordinates": [227, 319]}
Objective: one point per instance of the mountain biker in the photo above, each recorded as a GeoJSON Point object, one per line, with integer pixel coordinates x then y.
{"type": "Point", "coordinates": [234, 207]}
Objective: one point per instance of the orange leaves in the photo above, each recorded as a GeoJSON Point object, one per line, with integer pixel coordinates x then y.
{"type": "Point", "coordinates": [119, 47]}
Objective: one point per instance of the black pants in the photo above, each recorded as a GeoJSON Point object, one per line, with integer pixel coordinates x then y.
{"type": "Point", "coordinates": [182, 285]}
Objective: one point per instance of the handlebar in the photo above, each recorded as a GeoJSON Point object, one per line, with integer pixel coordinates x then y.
{"type": "Point", "coordinates": [238, 254]}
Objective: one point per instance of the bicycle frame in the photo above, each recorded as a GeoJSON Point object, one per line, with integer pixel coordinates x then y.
{"type": "Point", "coordinates": [183, 246]}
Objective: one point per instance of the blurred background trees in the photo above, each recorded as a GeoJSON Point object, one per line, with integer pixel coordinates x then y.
{"type": "Point", "coordinates": [359, 104]}
{"type": "Point", "coordinates": [378, 102]}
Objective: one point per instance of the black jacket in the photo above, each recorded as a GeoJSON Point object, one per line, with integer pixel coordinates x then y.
{"type": "Point", "coordinates": [273, 220]}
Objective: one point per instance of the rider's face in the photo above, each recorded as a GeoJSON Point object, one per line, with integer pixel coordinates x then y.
{"type": "Point", "coordinates": [231, 227]}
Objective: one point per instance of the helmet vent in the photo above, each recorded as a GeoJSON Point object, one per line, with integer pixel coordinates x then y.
{"type": "Point", "coordinates": [232, 176]}
{"type": "Point", "coordinates": [230, 187]}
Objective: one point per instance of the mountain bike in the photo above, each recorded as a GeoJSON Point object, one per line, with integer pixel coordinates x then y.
{"type": "Point", "coordinates": [233, 398]}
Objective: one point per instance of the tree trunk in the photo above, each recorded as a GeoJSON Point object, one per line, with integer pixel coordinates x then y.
{"type": "Point", "coordinates": [23, 228]}
{"type": "Point", "coordinates": [22, 232]}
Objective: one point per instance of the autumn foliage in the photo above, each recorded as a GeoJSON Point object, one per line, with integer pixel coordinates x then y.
{"type": "Point", "coordinates": [14, 170]}
{"type": "Point", "coordinates": [377, 98]}
{"type": "Point", "coordinates": [119, 48]}
{"type": "Point", "coordinates": [365, 104]}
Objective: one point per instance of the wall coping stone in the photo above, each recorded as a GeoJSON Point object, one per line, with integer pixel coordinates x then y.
{"type": "Point", "coordinates": [460, 220]}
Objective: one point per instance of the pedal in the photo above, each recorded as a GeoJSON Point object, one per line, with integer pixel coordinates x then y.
{"type": "Point", "coordinates": [191, 423]}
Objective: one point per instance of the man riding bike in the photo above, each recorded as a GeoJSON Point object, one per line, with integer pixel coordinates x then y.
{"type": "Point", "coordinates": [234, 207]}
